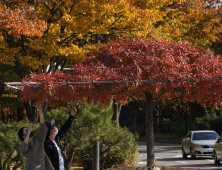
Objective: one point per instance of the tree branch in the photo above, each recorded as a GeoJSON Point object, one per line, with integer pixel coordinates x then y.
{"type": "Point", "coordinates": [23, 45]}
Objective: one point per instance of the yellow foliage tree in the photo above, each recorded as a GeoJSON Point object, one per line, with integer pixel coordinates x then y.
{"type": "Point", "coordinates": [72, 26]}
{"type": "Point", "coordinates": [196, 21]}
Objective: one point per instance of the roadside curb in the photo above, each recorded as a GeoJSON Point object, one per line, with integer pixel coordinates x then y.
{"type": "Point", "coordinates": [163, 141]}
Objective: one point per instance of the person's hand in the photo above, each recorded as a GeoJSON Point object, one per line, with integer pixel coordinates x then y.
{"type": "Point", "coordinates": [39, 106]}
{"type": "Point", "coordinates": [73, 111]}
{"type": "Point", "coordinates": [32, 128]}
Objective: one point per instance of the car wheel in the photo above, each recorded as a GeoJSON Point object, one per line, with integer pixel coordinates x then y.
{"type": "Point", "coordinates": [183, 153]}
{"type": "Point", "coordinates": [191, 154]}
{"type": "Point", "coordinates": [215, 159]}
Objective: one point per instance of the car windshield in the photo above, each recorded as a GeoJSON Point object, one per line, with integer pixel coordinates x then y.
{"type": "Point", "coordinates": [205, 136]}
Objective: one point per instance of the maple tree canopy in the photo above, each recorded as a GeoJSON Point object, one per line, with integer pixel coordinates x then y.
{"type": "Point", "coordinates": [134, 59]}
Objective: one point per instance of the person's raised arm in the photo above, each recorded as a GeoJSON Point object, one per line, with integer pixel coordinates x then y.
{"type": "Point", "coordinates": [67, 124]}
{"type": "Point", "coordinates": [41, 117]}
{"type": "Point", "coordinates": [42, 128]}
{"type": "Point", "coordinates": [26, 140]}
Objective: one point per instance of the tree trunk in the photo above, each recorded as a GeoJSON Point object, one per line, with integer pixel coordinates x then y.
{"type": "Point", "coordinates": [171, 119]}
{"type": "Point", "coordinates": [149, 130]}
{"type": "Point", "coordinates": [20, 113]}
{"type": "Point", "coordinates": [1, 162]}
{"type": "Point", "coordinates": [157, 114]}
{"type": "Point", "coordinates": [44, 106]}
{"type": "Point", "coordinates": [133, 106]}
{"type": "Point", "coordinates": [69, 160]}
{"type": "Point", "coordinates": [182, 110]}
{"type": "Point", "coordinates": [186, 123]}
{"type": "Point", "coordinates": [3, 116]}
{"type": "Point", "coordinates": [31, 111]}
{"type": "Point", "coordinates": [220, 109]}
{"type": "Point", "coordinates": [117, 109]}
{"type": "Point", "coordinates": [156, 124]}
{"type": "Point", "coordinates": [134, 118]}
{"type": "Point", "coordinates": [67, 166]}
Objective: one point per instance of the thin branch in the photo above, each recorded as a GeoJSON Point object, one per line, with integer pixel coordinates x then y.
{"type": "Point", "coordinates": [64, 63]}
{"type": "Point", "coordinates": [161, 94]}
{"type": "Point", "coordinates": [110, 145]}
{"type": "Point", "coordinates": [23, 45]}
{"type": "Point", "coordinates": [18, 67]}
{"type": "Point", "coordinates": [72, 6]}
{"type": "Point", "coordinates": [155, 109]}
{"type": "Point", "coordinates": [47, 7]}
{"type": "Point", "coordinates": [116, 20]}
{"type": "Point", "coordinates": [60, 42]}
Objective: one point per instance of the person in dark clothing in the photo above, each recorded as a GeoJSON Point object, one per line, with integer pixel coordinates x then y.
{"type": "Point", "coordinates": [52, 144]}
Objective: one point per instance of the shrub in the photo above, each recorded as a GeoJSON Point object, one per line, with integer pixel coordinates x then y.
{"type": "Point", "coordinates": [177, 127]}
{"type": "Point", "coordinates": [10, 156]}
{"type": "Point", "coordinates": [210, 122]}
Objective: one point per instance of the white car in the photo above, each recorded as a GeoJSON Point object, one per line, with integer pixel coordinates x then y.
{"type": "Point", "coordinates": [218, 151]}
{"type": "Point", "coordinates": [199, 143]}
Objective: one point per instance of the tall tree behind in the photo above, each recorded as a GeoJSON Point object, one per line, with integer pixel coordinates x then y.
{"type": "Point", "coordinates": [196, 21]}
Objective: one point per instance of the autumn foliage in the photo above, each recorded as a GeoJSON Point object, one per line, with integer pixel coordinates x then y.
{"type": "Point", "coordinates": [69, 28]}
{"type": "Point", "coordinates": [176, 69]}
{"type": "Point", "coordinates": [196, 21]}
{"type": "Point", "coordinates": [20, 21]}
{"type": "Point", "coordinates": [37, 33]}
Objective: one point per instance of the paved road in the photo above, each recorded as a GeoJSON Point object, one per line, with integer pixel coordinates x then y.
{"type": "Point", "coordinates": [170, 155]}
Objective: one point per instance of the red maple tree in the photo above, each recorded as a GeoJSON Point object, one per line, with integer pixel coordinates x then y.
{"type": "Point", "coordinates": [171, 70]}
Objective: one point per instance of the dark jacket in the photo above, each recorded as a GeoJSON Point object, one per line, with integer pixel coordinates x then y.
{"type": "Point", "coordinates": [50, 147]}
